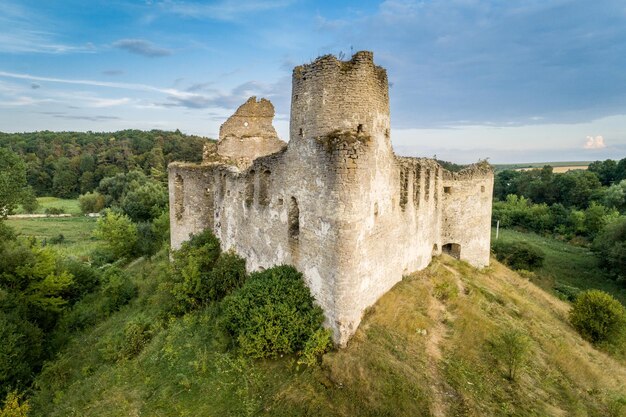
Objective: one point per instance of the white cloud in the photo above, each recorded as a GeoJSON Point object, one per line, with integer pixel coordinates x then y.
{"type": "Point", "coordinates": [595, 142]}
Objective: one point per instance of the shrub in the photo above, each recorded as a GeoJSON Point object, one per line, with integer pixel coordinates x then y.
{"type": "Point", "coordinates": [12, 406]}
{"type": "Point", "coordinates": [91, 202]}
{"type": "Point", "coordinates": [445, 288]}
{"type": "Point", "coordinates": [319, 343]}
{"type": "Point", "coordinates": [192, 266]}
{"type": "Point", "coordinates": [519, 255]}
{"type": "Point", "coordinates": [610, 245]}
{"type": "Point", "coordinates": [86, 278]}
{"type": "Point", "coordinates": [20, 351]}
{"type": "Point", "coordinates": [228, 274]}
{"type": "Point", "coordinates": [56, 240]}
{"type": "Point", "coordinates": [117, 289]}
{"type": "Point", "coordinates": [118, 232]}
{"type": "Point", "coordinates": [510, 347]}
{"type": "Point", "coordinates": [29, 201]}
{"type": "Point", "coordinates": [54, 211]}
{"type": "Point", "coordinates": [598, 317]}
{"type": "Point", "coordinates": [137, 334]}
{"type": "Point", "coordinates": [273, 313]}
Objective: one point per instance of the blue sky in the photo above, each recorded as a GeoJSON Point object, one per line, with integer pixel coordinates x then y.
{"type": "Point", "coordinates": [512, 80]}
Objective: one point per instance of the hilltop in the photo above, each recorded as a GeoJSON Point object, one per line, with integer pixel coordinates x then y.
{"type": "Point", "coordinates": [422, 349]}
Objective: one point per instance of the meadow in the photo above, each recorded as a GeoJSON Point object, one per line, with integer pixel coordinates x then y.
{"type": "Point", "coordinates": [565, 264]}
{"type": "Point", "coordinates": [69, 206]}
{"type": "Point", "coordinates": [69, 235]}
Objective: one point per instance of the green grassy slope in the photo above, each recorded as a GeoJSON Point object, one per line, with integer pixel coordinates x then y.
{"type": "Point", "coordinates": [566, 264]}
{"type": "Point", "coordinates": [421, 350]}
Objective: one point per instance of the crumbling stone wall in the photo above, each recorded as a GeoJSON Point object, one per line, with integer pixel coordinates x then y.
{"type": "Point", "coordinates": [249, 133]}
{"type": "Point", "coordinates": [336, 202]}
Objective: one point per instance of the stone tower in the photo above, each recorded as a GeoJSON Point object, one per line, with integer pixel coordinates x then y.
{"type": "Point", "coordinates": [335, 202]}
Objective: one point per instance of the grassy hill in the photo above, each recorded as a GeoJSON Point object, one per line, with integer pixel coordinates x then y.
{"type": "Point", "coordinates": [424, 349]}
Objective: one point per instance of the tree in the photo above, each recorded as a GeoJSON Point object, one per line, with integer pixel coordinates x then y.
{"type": "Point", "coordinates": [610, 244]}
{"type": "Point", "coordinates": [118, 232]}
{"type": "Point", "coordinates": [12, 181]}
{"type": "Point", "coordinates": [91, 202]}
{"type": "Point", "coordinates": [146, 202]}
{"type": "Point", "coordinates": [605, 170]}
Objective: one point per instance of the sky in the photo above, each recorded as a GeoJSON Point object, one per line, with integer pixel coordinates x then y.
{"type": "Point", "coordinates": [508, 80]}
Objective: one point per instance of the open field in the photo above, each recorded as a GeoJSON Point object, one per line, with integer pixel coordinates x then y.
{"type": "Point", "coordinates": [69, 206]}
{"type": "Point", "coordinates": [76, 232]}
{"type": "Point", "coordinates": [557, 166]}
{"type": "Point", "coordinates": [566, 264]}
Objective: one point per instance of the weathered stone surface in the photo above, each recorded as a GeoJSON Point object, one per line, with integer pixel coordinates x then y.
{"type": "Point", "coordinates": [249, 133]}
{"type": "Point", "coordinates": [336, 202]}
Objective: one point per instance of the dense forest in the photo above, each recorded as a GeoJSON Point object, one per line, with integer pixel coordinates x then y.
{"type": "Point", "coordinates": [67, 164]}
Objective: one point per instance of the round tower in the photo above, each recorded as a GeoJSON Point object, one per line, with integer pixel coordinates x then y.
{"type": "Point", "coordinates": [330, 95]}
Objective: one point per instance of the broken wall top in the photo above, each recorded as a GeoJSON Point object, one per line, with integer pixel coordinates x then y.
{"type": "Point", "coordinates": [253, 118]}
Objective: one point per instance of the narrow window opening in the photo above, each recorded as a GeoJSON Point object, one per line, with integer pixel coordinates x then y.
{"type": "Point", "coordinates": [249, 198]}
{"type": "Point", "coordinates": [447, 190]}
{"type": "Point", "coordinates": [482, 188]}
{"type": "Point", "coordinates": [294, 220]}
{"type": "Point", "coordinates": [359, 129]}
{"type": "Point", "coordinates": [296, 97]}
{"type": "Point", "coordinates": [300, 132]}
{"type": "Point", "coordinates": [452, 249]}
{"type": "Point", "coordinates": [179, 189]}
{"type": "Point", "coordinates": [375, 209]}
{"type": "Point", "coordinates": [264, 183]}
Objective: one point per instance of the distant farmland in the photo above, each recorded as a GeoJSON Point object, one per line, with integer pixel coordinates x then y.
{"type": "Point", "coordinates": [556, 166]}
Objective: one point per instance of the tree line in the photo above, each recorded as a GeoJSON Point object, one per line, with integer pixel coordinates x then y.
{"type": "Point", "coordinates": [67, 164]}
{"type": "Point", "coordinates": [584, 207]}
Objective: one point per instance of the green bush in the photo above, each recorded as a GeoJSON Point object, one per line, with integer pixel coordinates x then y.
{"type": "Point", "coordinates": [228, 274]}
{"type": "Point", "coordinates": [14, 406]}
{"type": "Point", "coordinates": [20, 351]}
{"type": "Point", "coordinates": [137, 335]}
{"type": "Point", "coordinates": [91, 202]}
{"type": "Point", "coordinates": [86, 279]}
{"type": "Point", "coordinates": [273, 313]}
{"type": "Point", "coordinates": [117, 288]}
{"type": "Point", "coordinates": [519, 255]}
{"type": "Point", "coordinates": [610, 245]}
{"type": "Point", "coordinates": [118, 232]}
{"type": "Point", "coordinates": [598, 317]}
{"type": "Point", "coordinates": [191, 268]}
{"type": "Point", "coordinates": [54, 211]}
{"type": "Point", "coordinates": [319, 343]}
{"type": "Point", "coordinates": [510, 347]}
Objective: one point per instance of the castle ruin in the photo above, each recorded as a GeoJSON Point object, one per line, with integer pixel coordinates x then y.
{"type": "Point", "coordinates": [335, 201]}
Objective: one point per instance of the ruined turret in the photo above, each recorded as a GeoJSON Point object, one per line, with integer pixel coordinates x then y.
{"type": "Point", "coordinates": [246, 135]}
